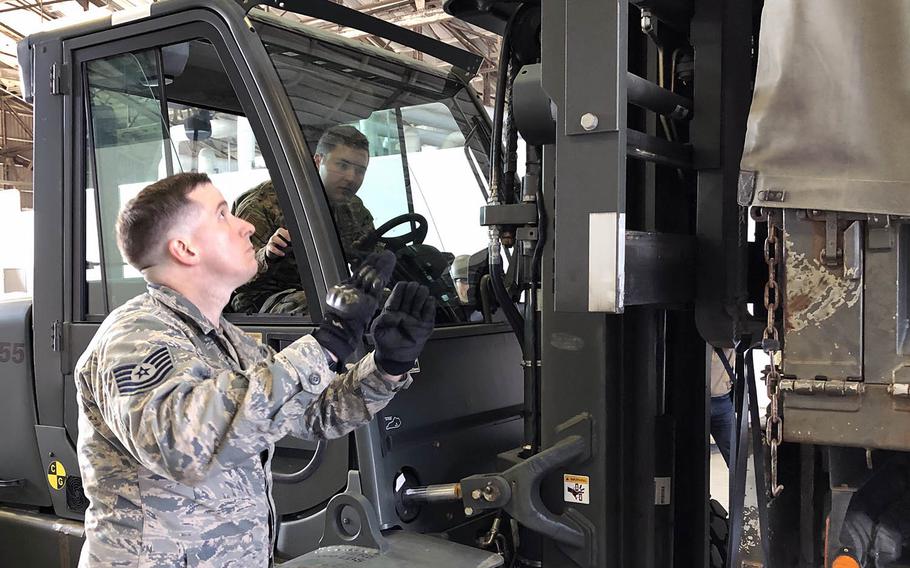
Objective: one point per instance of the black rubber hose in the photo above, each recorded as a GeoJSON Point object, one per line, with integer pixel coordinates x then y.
{"type": "Point", "coordinates": [510, 150]}
{"type": "Point", "coordinates": [534, 166]}
{"type": "Point", "coordinates": [516, 322]}
{"type": "Point", "coordinates": [502, 77]}
{"type": "Point", "coordinates": [536, 158]}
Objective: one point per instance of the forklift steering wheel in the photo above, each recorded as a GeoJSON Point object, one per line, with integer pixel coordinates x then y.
{"type": "Point", "coordinates": [414, 236]}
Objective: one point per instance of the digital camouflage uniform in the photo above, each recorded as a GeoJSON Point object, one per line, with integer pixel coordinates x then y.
{"type": "Point", "coordinates": [259, 206]}
{"type": "Point", "coordinates": [177, 422]}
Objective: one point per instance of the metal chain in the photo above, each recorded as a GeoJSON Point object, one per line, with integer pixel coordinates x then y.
{"type": "Point", "coordinates": [774, 433]}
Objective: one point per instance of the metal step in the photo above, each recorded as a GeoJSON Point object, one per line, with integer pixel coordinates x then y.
{"type": "Point", "coordinates": [405, 550]}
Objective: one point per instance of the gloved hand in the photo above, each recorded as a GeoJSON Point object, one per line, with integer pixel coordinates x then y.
{"type": "Point", "coordinates": [351, 304]}
{"type": "Point", "coordinates": [403, 327]}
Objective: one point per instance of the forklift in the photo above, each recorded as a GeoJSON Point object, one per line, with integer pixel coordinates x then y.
{"type": "Point", "coordinates": [658, 176]}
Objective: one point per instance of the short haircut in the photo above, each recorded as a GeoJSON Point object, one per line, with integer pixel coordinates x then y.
{"type": "Point", "coordinates": [342, 135]}
{"type": "Point", "coordinates": [145, 221]}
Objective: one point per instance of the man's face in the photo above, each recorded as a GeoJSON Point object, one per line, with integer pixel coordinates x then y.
{"type": "Point", "coordinates": [221, 240]}
{"type": "Point", "coordinates": [462, 288]}
{"type": "Point", "coordinates": [342, 170]}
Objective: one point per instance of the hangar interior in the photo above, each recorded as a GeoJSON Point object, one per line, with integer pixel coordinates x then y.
{"type": "Point", "coordinates": [666, 239]}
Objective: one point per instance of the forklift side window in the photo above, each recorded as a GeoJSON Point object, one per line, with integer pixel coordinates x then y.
{"type": "Point", "coordinates": [151, 114]}
{"type": "Point", "coordinates": [423, 184]}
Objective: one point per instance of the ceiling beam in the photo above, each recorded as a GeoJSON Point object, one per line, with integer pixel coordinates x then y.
{"type": "Point", "coordinates": [371, 9]}
{"type": "Point", "coordinates": [17, 184]}
{"type": "Point", "coordinates": [11, 32]}
{"type": "Point", "coordinates": [478, 47]}
{"type": "Point", "coordinates": [406, 20]}
{"type": "Point", "coordinates": [22, 7]}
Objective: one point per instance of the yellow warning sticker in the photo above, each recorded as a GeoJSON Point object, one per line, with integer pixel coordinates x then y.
{"type": "Point", "coordinates": [56, 475]}
{"type": "Point", "coordinates": [576, 489]}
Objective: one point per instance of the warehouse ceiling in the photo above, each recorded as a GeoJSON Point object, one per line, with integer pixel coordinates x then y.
{"type": "Point", "coordinates": [19, 18]}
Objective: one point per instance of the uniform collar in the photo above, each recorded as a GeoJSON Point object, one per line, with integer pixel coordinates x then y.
{"type": "Point", "coordinates": [180, 304]}
{"type": "Point", "coordinates": [346, 203]}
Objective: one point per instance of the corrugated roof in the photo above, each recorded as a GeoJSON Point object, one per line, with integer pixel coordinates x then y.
{"type": "Point", "coordinates": [20, 18]}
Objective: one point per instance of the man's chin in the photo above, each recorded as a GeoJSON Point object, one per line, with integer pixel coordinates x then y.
{"type": "Point", "coordinates": [341, 196]}
{"type": "Point", "coordinates": [250, 275]}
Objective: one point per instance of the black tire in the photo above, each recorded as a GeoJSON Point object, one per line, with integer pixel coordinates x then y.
{"type": "Point", "coordinates": [719, 531]}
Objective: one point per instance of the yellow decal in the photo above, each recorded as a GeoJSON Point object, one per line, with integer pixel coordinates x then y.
{"type": "Point", "coordinates": [576, 489]}
{"type": "Point", "coordinates": [56, 475]}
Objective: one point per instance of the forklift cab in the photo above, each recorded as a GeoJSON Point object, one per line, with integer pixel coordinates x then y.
{"type": "Point", "coordinates": [243, 95]}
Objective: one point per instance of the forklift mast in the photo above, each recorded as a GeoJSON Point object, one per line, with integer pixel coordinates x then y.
{"type": "Point", "coordinates": [638, 112]}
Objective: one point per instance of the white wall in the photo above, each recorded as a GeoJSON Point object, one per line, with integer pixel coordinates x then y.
{"type": "Point", "coordinates": [18, 237]}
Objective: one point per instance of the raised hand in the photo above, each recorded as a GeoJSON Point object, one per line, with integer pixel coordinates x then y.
{"type": "Point", "coordinates": [403, 327]}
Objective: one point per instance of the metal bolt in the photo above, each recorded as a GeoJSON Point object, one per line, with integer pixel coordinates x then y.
{"type": "Point", "coordinates": [468, 511]}
{"type": "Point", "coordinates": [491, 493]}
{"type": "Point", "coordinates": [646, 22]}
{"type": "Point", "coordinates": [476, 494]}
{"type": "Point", "coordinates": [589, 121]}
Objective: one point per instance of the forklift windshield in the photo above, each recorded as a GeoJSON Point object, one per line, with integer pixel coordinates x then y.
{"type": "Point", "coordinates": [423, 183]}
{"type": "Point", "coordinates": [419, 184]}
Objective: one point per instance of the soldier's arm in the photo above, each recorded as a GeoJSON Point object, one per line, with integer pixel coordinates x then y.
{"type": "Point", "coordinates": [181, 415]}
{"type": "Point", "coordinates": [349, 401]}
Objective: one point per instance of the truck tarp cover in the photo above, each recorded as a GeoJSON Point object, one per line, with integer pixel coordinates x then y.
{"type": "Point", "coordinates": [828, 124]}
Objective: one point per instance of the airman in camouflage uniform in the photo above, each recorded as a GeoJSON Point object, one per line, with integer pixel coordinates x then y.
{"type": "Point", "coordinates": [178, 415]}
{"type": "Point", "coordinates": [342, 156]}
{"type": "Point", "coordinates": [174, 414]}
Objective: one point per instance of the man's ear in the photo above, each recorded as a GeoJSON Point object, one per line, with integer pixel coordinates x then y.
{"type": "Point", "coordinates": [183, 252]}
{"type": "Point", "coordinates": [317, 158]}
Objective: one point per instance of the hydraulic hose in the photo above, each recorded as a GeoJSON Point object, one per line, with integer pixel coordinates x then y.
{"type": "Point", "coordinates": [499, 289]}
{"type": "Point", "coordinates": [502, 76]}
{"type": "Point", "coordinates": [500, 292]}
{"type": "Point", "coordinates": [535, 186]}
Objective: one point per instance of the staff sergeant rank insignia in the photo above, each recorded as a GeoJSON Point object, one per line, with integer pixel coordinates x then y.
{"type": "Point", "coordinates": [140, 377]}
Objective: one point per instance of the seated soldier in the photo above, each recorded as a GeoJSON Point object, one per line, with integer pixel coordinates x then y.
{"type": "Point", "coordinates": [342, 156]}
{"type": "Point", "coordinates": [459, 271]}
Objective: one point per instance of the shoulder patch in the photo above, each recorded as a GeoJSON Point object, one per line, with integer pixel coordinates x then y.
{"type": "Point", "coordinates": [139, 377]}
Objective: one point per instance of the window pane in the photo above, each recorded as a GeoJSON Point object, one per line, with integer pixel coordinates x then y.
{"type": "Point", "coordinates": [427, 156]}
{"type": "Point", "coordinates": [135, 140]}
{"type": "Point", "coordinates": [128, 143]}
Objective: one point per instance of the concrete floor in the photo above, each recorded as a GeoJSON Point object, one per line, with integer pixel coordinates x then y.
{"type": "Point", "coordinates": [719, 484]}
{"type": "Point", "coordinates": [720, 477]}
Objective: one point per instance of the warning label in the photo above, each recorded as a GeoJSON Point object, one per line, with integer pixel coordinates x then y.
{"type": "Point", "coordinates": [576, 489]}
{"type": "Point", "coordinates": [56, 475]}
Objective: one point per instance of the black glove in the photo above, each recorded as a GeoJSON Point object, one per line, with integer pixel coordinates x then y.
{"type": "Point", "coordinates": [403, 327]}
{"type": "Point", "coordinates": [351, 304]}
